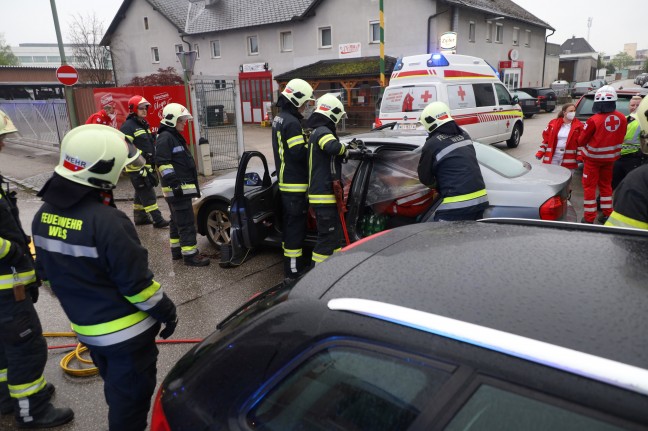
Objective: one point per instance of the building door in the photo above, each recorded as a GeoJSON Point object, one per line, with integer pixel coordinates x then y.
{"type": "Point", "coordinates": [511, 78]}
{"type": "Point", "coordinates": [256, 92]}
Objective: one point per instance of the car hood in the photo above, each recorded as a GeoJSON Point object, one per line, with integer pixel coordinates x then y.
{"type": "Point", "coordinates": [222, 186]}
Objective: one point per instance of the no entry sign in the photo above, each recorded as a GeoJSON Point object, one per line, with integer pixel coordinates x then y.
{"type": "Point", "coordinates": [67, 75]}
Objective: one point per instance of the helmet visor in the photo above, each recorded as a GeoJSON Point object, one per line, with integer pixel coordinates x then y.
{"type": "Point", "coordinates": [135, 160]}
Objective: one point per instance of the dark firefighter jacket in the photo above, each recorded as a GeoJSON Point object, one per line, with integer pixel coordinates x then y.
{"type": "Point", "coordinates": [138, 131]}
{"type": "Point", "coordinates": [449, 163]}
{"type": "Point", "coordinates": [290, 149]}
{"type": "Point", "coordinates": [325, 160]}
{"type": "Point", "coordinates": [175, 163]}
{"type": "Point", "coordinates": [96, 266]}
{"type": "Point", "coordinates": [631, 200]}
{"type": "Point", "coordinates": [11, 233]}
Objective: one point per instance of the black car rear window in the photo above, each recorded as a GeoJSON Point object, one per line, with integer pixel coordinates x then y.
{"type": "Point", "coordinates": [344, 387]}
{"type": "Point", "coordinates": [584, 107]}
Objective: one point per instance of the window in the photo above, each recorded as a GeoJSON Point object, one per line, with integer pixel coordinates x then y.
{"type": "Point", "coordinates": [155, 55]}
{"type": "Point", "coordinates": [197, 49]}
{"type": "Point", "coordinates": [484, 95]}
{"type": "Point", "coordinates": [499, 33]}
{"type": "Point", "coordinates": [489, 31]}
{"type": "Point", "coordinates": [325, 37]}
{"type": "Point", "coordinates": [215, 49]}
{"type": "Point", "coordinates": [471, 31]}
{"type": "Point", "coordinates": [54, 59]}
{"type": "Point", "coordinates": [40, 59]}
{"type": "Point", "coordinates": [351, 388]}
{"type": "Point", "coordinates": [286, 40]}
{"type": "Point", "coordinates": [516, 36]}
{"type": "Point", "coordinates": [503, 96]}
{"type": "Point", "coordinates": [527, 41]}
{"type": "Point", "coordinates": [145, 23]}
{"type": "Point", "coordinates": [374, 32]}
{"type": "Point", "coordinates": [253, 45]}
{"type": "Point", "coordinates": [25, 59]}
{"type": "Point", "coordinates": [220, 84]}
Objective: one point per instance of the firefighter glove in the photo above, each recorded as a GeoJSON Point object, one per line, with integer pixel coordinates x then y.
{"type": "Point", "coordinates": [169, 327]}
{"type": "Point", "coordinates": [539, 155]}
{"type": "Point", "coordinates": [33, 291]}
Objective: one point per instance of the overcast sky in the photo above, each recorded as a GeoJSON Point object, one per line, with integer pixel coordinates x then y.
{"type": "Point", "coordinates": [613, 24]}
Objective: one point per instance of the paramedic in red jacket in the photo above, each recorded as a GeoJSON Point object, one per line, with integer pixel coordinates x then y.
{"type": "Point", "coordinates": [560, 139]}
{"type": "Point", "coordinates": [600, 145]}
{"type": "Point", "coordinates": [104, 116]}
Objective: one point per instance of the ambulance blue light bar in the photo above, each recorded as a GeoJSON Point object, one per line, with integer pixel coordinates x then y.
{"type": "Point", "coordinates": [494, 70]}
{"type": "Point", "coordinates": [399, 64]}
{"type": "Point", "coordinates": [437, 60]}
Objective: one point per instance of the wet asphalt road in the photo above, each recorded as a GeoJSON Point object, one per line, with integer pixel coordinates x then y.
{"type": "Point", "coordinates": [204, 296]}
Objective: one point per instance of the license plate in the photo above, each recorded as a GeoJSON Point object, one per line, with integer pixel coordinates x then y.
{"type": "Point", "coordinates": [408, 126]}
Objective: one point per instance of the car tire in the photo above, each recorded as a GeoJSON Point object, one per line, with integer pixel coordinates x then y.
{"type": "Point", "coordinates": [528, 115]}
{"type": "Point", "coordinates": [217, 223]}
{"type": "Point", "coordinates": [550, 110]}
{"type": "Point", "coordinates": [516, 134]}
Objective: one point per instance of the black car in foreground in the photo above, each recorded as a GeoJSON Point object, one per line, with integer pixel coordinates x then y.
{"type": "Point", "coordinates": [586, 103]}
{"type": "Point", "coordinates": [501, 324]}
{"type": "Point", "coordinates": [547, 97]}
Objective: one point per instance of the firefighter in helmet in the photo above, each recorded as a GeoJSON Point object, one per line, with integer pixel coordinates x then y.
{"type": "Point", "coordinates": [290, 149]}
{"type": "Point", "coordinates": [23, 350]}
{"type": "Point", "coordinates": [449, 163]}
{"type": "Point", "coordinates": [600, 146]}
{"type": "Point", "coordinates": [91, 255]}
{"type": "Point", "coordinates": [325, 167]}
{"type": "Point", "coordinates": [179, 183]}
{"type": "Point", "coordinates": [145, 179]}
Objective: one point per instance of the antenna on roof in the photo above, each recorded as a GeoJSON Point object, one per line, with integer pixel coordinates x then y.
{"type": "Point", "coordinates": [589, 26]}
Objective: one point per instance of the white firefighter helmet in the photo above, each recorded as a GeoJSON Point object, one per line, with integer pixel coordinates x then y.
{"type": "Point", "coordinates": [606, 93]}
{"type": "Point", "coordinates": [6, 125]}
{"type": "Point", "coordinates": [330, 106]}
{"type": "Point", "coordinates": [94, 155]}
{"type": "Point", "coordinates": [434, 115]}
{"type": "Point", "coordinates": [172, 112]}
{"type": "Point", "coordinates": [298, 92]}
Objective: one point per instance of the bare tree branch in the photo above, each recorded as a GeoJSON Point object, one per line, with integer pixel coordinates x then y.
{"type": "Point", "coordinates": [85, 35]}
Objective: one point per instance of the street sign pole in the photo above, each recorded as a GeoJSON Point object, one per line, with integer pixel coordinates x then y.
{"type": "Point", "coordinates": [69, 96]}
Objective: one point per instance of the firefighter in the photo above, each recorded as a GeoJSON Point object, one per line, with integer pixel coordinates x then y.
{"type": "Point", "coordinates": [631, 156]}
{"type": "Point", "coordinates": [631, 195]}
{"type": "Point", "coordinates": [290, 150]}
{"type": "Point", "coordinates": [179, 183]}
{"type": "Point", "coordinates": [600, 145]}
{"type": "Point", "coordinates": [90, 254]}
{"type": "Point", "coordinates": [325, 167]}
{"type": "Point", "coordinates": [104, 116]}
{"type": "Point", "coordinates": [23, 350]}
{"type": "Point", "coordinates": [144, 180]}
{"type": "Point", "coordinates": [449, 164]}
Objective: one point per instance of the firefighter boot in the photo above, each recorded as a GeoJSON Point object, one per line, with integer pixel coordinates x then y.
{"type": "Point", "coordinates": [141, 218]}
{"type": "Point", "coordinates": [176, 254]}
{"type": "Point", "coordinates": [196, 260]}
{"type": "Point", "coordinates": [159, 222]}
{"type": "Point", "coordinates": [50, 417]}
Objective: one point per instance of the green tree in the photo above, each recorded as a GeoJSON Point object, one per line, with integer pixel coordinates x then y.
{"type": "Point", "coordinates": [622, 60]}
{"type": "Point", "coordinates": [645, 66]}
{"type": "Point", "coordinates": [7, 58]}
{"type": "Point", "coordinates": [610, 68]}
{"type": "Point", "coordinates": [599, 61]}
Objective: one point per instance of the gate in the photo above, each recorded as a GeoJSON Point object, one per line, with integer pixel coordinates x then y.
{"type": "Point", "coordinates": [40, 123]}
{"type": "Point", "coordinates": [215, 99]}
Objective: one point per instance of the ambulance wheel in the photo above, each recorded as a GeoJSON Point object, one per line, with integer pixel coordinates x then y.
{"type": "Point", "coordinates": [218, 224]}
{"type": "Point", "coordinates": [515, 137]}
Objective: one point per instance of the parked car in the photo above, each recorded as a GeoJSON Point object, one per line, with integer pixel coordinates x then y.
{"type": "Point", "coordinates": [585, 103]}
{"type": "Point", "coordinates": [241, 212]}
{"type": "Point", "coordinates": [546, 96]}
{"type": "Point", "coordinates": [490, 325]}
{"type": "Point", "coordinates": [530, 105]}
{"type": "Point", "coordinates": [581, 88]}
{"type": "Point", "coordinates": [641, 78]}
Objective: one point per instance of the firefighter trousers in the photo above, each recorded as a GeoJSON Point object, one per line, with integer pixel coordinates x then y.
{"type": "Point", "coordinates": [182, 227]}
{"type": "Point", "coordinates": [597, 174]}
{"type": "Point", "coordinates": [129, 371]}
{"type": "Point", "coordinates": [295, 212]}
{"type": "Point", "coordinates": [144, 200]}
{"type": "Point", "coordinates": [23, 354]}
{"type": "Point", "coordinates": [328, 232]}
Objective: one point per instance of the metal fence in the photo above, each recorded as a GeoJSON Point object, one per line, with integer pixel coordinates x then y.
{"type": "Point", "coordinates": [217, 121]}
{"type": "Point", "coordinates": [40, 123]}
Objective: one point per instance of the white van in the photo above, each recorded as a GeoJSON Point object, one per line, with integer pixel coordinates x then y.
{"type": "Point", "coordinates": [478, 100]}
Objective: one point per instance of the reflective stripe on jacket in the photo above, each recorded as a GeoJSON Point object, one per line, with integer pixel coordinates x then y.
{"type": "Point", "coordinates": [175, 163]}
{"type": "Point", "coordinates": [290, 152]}
{"type": "Point", "coordinates": [602, 136]}
{"type": "Point", "coordinates": [631, 143]}
{"type": "Point", "coordinates": [631, 200]}
{"type": "Point", "coordinates": [138, 131]}
{"type": "Point", "coordinates": [325, 165]}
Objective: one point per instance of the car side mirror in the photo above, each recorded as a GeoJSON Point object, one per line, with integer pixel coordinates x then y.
{"type": "Point", "coordinates": [516, 100]}
{"type": "Point", "coordinates": [252, 179]}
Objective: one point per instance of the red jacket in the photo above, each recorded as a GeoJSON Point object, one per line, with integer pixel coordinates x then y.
{"type": "Point", "coordinates": [550, 140]}
{"type": "Point", "coordinates": [602, 137]}
{"type": "Point", "coordinates": [99, 118]}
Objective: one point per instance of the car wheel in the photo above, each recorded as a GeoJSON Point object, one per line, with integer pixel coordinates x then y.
{"type": "Point", "coordinates": [528, 115]}
{"type": "Point", "coordinates": [514, 141]}
{"type": "Point", "coordinates": [550, 110]}
{"type": "Point", "coordinates": [217, 224]}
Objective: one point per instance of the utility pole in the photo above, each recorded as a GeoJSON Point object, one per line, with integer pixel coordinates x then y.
{"type": "Point", "coordinates": [589, 26]}
{"type": "Point", "coordinates": [69, 96]}
{"type": "Point", "coordinates": [382, 47]}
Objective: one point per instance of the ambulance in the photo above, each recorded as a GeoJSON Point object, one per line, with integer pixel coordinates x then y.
{"type": "Point", "coordinates": [470, 86]}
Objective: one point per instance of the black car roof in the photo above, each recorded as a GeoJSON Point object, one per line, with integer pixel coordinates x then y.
{"type": "Point", "coordinates": [580, 288]}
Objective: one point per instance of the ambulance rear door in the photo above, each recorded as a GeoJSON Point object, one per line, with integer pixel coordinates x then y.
{"type": "Point", "coordinates": [474, 107]}
{"type": "Point", "coordinates": [403, 104]}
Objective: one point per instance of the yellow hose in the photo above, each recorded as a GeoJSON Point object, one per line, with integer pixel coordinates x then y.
{"type": "Point", "coordinates": [75, 354]}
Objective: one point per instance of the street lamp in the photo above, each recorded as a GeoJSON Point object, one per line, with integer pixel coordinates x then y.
{"type": "Point", "coordinates": [188, 60]}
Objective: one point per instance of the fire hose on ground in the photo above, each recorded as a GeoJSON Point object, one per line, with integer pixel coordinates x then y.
{"type": "Point", "coordinates": [86, 366]}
